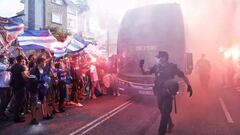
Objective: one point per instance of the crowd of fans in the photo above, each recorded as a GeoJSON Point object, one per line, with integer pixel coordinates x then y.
{"type": "Point", "coordinates": [42, 82]}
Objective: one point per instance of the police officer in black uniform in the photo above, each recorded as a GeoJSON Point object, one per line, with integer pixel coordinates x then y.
{"type": "Point", "coordinates": [164, 75]}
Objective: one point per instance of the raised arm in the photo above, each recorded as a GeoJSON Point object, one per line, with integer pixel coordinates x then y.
{"type": "Point", "coordinates": [20, 52]}
{"type": "Point", "coordinates": [144, 72]}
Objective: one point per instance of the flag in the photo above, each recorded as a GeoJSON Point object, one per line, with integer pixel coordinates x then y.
{"type": "Point", "coordinates": [10, 28]}
{"type": "Point", "coordinates": [76, 44]}
{"type": "Point", "coordinates": [59, 48]}
{"type": "Point", "coordinates": [72, 45]}
{"type": "Point", "coordinates": [59, 52]}
{"type": "Point", "coordinates": [36, 39]}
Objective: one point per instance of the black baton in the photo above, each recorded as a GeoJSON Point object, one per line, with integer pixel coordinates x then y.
{"type": "Point", "coordinates": [175, 104]}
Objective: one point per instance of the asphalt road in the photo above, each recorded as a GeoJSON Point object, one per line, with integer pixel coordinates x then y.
{"type": "Point", "coordinates": [209, 112]}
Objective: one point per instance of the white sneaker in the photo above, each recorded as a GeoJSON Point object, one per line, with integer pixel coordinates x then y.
{"type": "Point", "coordinates": [72, 103]}
{"type": "Point", "coordinates": [79, 105]}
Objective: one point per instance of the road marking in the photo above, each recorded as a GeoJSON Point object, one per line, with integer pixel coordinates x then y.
{"type": "Point", "coordinates": [108, 117]}
{"type": "Point", "coordinates": [122, 89]}
{"type": "Point", "coordinates": [225, 110]}
{"type": "Point", "coordinates": [102, 117]}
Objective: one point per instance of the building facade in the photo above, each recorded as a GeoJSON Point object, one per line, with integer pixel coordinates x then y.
{"type": "Point", "coordinates": [72, 15]}
{"type": "Point", "coordinates": [56, 14]}
{"type": "Point", "coordinates": [41, 14]}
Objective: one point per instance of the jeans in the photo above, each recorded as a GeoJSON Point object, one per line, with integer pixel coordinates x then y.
{"type": "Point", "coordinates": [62, 94]}
{"type": "Point", "coordinates": [5, 98]}
{"type": "Point", "coordinates": [20, 94]}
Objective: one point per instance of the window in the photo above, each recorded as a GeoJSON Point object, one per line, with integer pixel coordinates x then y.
{"type": "Point", "coordinates": [59, 2]}
{"type": "Point", "coordinates": [57, 18]}
{"type": "Point", "coordinates": [71, 10]}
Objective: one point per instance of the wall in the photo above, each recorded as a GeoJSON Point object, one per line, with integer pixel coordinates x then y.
{"type": "Point", "coordinates": [26, 14]}
{"type": "Point", "coordinates": [39, 14]}
{"type": "Point", "coordinates": [72, 25]}
{"type": "Point", "coordinates": [31, 14]}
{"type": "Point", "coordinates": [52, 7]}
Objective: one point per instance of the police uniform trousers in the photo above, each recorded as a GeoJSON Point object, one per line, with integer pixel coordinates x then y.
{"type": "Point", "coordinates": [164, 102]}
